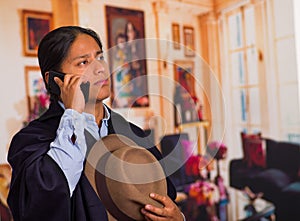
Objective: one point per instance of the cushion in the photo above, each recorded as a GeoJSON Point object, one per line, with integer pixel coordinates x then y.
{"type": "Point", "coordinates": [289, 204]}
{"type": "Point", "coordinates": [189, 148]}
{"type": "Point", "coordinates": [284, 156]}
{"type": "Point", "coordinates": [254, 151]}
{"type": "Point", "coordinates": [270, 182]}
{"type": "Point", "coordinates": [293, 189]}
{"type": "Point", "coordinates": [240, 174]}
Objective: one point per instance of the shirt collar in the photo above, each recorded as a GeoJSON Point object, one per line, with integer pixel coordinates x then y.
{"type": "Point", "coordinates": [106, 111]}
{"type": "Point", "coordinates": [107, 114]}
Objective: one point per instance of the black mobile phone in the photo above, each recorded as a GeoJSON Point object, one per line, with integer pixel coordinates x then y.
{"type": "Point", "coordinates": [54, 88]}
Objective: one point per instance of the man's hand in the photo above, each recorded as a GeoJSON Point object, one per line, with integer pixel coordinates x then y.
{"type": "Point", "coordinates": [170, 211]}
{"type": "Point", "coordinates": [71, 94]}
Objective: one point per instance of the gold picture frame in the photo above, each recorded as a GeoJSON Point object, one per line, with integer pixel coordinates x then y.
{"type": "Point", "coordinates": [176, 35]}
{"type": "Point", "coordinates": [184, 92]}
{"type": "Point", "coordinates": [36, 91]}
{"type": "Point", "coordinates": [127, 63]}
{"type": "Point", "coordinates": [36, 25]}
{"type": "Point", "coordinates": [189, 41]}
{"type": "Point", "coordinates": [184, 75]}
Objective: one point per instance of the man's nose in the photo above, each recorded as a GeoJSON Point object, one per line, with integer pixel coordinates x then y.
{"type": "Point", "coordinates": [99, 67]}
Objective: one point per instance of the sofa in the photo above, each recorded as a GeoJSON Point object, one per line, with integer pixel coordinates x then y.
{"type": "Point", "coordinates": [274, 171]}
{"type": "Point", "coordinates": [172, 148]}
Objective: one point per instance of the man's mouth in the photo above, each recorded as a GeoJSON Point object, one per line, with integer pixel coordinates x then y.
{"type": "Point", "coordinates": [101, 82]}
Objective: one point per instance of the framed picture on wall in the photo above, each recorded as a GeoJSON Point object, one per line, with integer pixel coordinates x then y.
{"type": "Point", "coordinates": [184, 75]}
{"type": "Point", "coordinates": [126, 52]}
{"type": "Point", "coordinates": [36, 93]}
{"type": "Point", "coordinates": [176, 36]}
{"type": "Point", "coordinates": [189, 41]}
{"type": "Point", "coordinates": [184, 92]}
{"type": "Point", "coordinates": [36, 25]}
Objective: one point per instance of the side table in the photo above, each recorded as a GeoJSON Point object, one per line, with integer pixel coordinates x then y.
{"type": "Point", "coordinates": [244, 210]}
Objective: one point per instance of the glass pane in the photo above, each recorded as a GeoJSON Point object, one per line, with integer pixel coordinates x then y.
{"type": "Point", "coordinates": [289, 105]}
{"type": "Point", "coordinates": [294, 137]}
{"type": "Point", "coordinates": [243, 105]}
{"type": "Point", "coordinates": [250, 26]}
{"type": "Point", "coordinates": [254, 106]}
{"type": "Point", "coordinates": [240, 108]}
{"type": "Point", "coordinates": [255, 130]}
{"type": "Point", "coordinates": [252, 66]}
{"type": "Point", "coordinates": [238, 69]}
{"type": "Point", "coordinates": [235, 31]}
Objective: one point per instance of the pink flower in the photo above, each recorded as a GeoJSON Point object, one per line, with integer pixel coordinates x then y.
{"type": "Point", "coordinates": [195, 164]}
{"type": "Point", "coordinates": [40, 104]}
{"type": "Point", "coordinates": [217, 150]}
{"type": "Point", "coordinates": [204, 192]}
{"type": "Point", "coordinates": [44, 100]}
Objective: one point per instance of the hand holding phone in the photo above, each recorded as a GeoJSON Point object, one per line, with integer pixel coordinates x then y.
{"type": "Point", "coordinates": [54, 88]}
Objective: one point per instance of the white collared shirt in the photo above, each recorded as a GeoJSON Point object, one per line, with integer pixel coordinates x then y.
{"type": "Point", "coordinates": [68, 155]}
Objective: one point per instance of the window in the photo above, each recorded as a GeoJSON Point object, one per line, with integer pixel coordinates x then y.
{"type": "Point", "coordinates": [243, 59]}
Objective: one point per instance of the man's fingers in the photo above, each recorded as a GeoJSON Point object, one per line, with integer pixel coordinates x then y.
{"type": "Point", "coordinates": [156, 210]}
{"type": "Point", "coordinates": [162, 199]}
{"type": "Point", "coordinates": [150, 216]}
{"type": "Point", "coordinates": [58, 81]}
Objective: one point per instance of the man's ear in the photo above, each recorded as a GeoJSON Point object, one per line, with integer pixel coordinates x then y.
{"type": "Point", "coordinates": [47, 77]}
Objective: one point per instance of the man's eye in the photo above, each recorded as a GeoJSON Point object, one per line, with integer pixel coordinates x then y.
{"type": "Point", "coordinates": [101, 58]}
{"type": "Point", "coordinates": [83, 62]}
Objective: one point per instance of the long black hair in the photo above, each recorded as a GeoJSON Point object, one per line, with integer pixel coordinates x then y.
{"type": "Point", "coordinates": [55, 46]}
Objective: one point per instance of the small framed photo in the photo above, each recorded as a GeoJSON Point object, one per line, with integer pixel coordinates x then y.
{"type": "Point", "coordinates": [36, 92]}
{"type": "Point", "coordinates": [176, 36]}
{"type": "Point", "coordinates": [184, 93]}
{"type": "Point", "coordinates": [189, 41]}
{"type": "Point", "coordinates": [36, 25]}
{"type": "Point", "coordinates": [184, 75]}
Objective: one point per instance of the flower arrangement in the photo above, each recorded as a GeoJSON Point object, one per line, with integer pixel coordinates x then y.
{"type": "Point", "coordinates": [217, 150]}
{"type": "Point", "coordinates": [197, 166]}
{"type": "Point", "coordinates": [203, 194]}
{"type": "Point", "coordinates": [203, 191]}
{"type": "Point", "coordinates": [40, 105]}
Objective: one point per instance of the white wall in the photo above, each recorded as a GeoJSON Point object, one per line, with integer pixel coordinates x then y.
{"type": "Point", "coordinates": [13, 106]}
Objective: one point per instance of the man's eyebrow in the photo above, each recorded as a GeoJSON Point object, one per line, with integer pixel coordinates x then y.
{"type": "Point", "coordinates": [99, 52]}
{"type": "Point", "coordinates": [87, 55]}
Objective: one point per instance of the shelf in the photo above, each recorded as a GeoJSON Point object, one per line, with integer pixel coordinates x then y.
{"type": "Point", "coordinates": [193, 124]}
{"type": "Point", "coordinates": [198, 125]}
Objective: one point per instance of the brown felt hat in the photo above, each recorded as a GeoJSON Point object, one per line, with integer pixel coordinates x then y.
{"type": "Point", "coordinates": [5, 177]}
{"type": "Point", "coordinates": [123, 175]}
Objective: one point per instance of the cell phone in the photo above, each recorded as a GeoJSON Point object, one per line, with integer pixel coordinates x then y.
{"type": "Point", "coordinates": [54, 88]}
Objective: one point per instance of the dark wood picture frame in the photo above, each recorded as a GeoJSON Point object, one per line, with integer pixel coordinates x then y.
{"type": "Point", "coordinates": [36, 24]}
{"type": "Point", "coordinates": [127, 57]}
{"type": "Point", "coordinates": [189, 41]}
